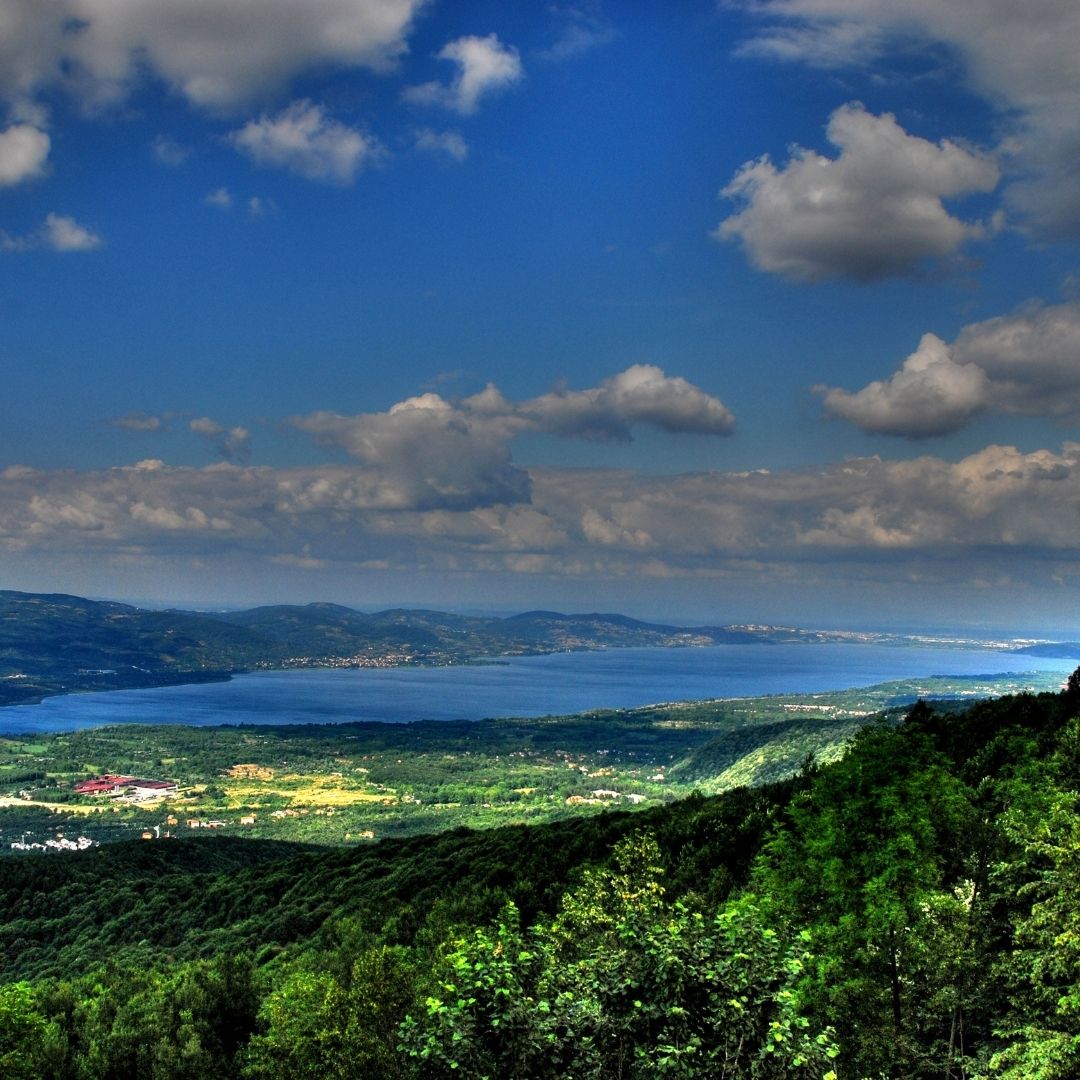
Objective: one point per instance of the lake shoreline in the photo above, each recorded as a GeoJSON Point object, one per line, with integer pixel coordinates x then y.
{"type": "Point", "coordinates": [111, 681]}
{"type": "Point", "coordinates": [551, 684]}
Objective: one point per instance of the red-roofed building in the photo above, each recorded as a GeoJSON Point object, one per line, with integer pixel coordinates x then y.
{"type": "Point", "coordinates": [103, 785]}
{"type": "Point", "coordinates": [131, 786]}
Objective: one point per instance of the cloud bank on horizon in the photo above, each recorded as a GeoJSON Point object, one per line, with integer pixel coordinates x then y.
{"type": "Point", "coordinates": [571, 243]}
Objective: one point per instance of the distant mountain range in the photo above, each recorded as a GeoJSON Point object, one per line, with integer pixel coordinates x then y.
{"type": "Point", "coordinates": [51, 643]}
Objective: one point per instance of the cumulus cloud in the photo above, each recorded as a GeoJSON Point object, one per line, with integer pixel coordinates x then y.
{"type": "Point", "coordinates": [57, 233]}
{"type": "Point", "coordinates": [999, 510]}
{"type": "Point", "coordinates": [485, 67]}
{"type": "Point", "coordinates": [23, 152]}
{"type": "Point", "coordinates": [1026, 363]}
{"type": "Point", "coordinates": [1022, 57]}
{"type": "Point", "coordinates": [450, 143]}
{"type": "Point", "coordinates": [931, 394]}
{"type": "Point", "coordinates": [874, 211]}
{"type": "Point", "coordinates": [642, 394]}
{"type": "Point", "coordinates": [304, 140]}
{"type": "Point", "coordinates": [426, 453]}
{"type": "Point", "coordinates": [432, 452]}
{"type": "Point", "coordinates": [230, 443]}
{"type": "Point", "coordinates": [220, 55]}
{"type": "Point", "coordinates": [1032, 357]}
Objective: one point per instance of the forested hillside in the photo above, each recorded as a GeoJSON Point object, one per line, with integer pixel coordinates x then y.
{"type": "Point", "coordinates": [911, 910]}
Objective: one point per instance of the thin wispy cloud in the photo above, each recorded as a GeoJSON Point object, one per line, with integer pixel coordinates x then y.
{"type": "Point", "coordinates": [449, 144]}
{"type": "Point", "coordinates": [139, 422]}
{"type": "Point", "coordinates": [580, 28]}
{"type": "Point", "coordinates": [167, 151]}
{"type": "Point", "coordinates": [221, 198]}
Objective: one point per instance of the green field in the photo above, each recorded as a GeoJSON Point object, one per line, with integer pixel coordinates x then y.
{"type": "Point", "coordinates": [355, 783]}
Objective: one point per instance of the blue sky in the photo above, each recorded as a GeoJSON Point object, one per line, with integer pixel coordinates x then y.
{"type": "Point", "coordinates": [752, 310]}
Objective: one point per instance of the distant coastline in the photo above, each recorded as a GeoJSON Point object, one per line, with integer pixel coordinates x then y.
{"type": "Point", "coordinates": [55, 644]}
{"type": "Point", "coordinates": [554, 684]}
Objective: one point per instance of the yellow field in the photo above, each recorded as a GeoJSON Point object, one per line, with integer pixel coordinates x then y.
{"type": "Point", "coordinates": [305, 791]}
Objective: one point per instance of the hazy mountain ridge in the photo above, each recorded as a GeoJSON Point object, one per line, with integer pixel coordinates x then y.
{"type": "Point", "coordinates": [54, 643]}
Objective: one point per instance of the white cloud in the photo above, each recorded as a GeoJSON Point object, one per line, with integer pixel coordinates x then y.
{"type": "Point", "coordinates": [998, 511]}
{"type": "Point", "coordinates": [429, 452]}
{"type": "Point", "coordinates": [220, 197]}
{"type": "Point", "coordinates": [303, 140]}
{"type": "Point", "coordinates": [23, 153]}
{"type": "Point", "coordinates": [231, 444]}
{"type": "Point", "coordinates": [931, 394]}
{"type": "Point", "coordinates": [450, 143]}
{"type": "Point", "coordinates": [485, 67]}
{"type": "Point", "coordinates": [1026, 363]}
{"type": "Point", "coordinates": [221, 55]}
{"type": "Point", "coordinates": [875, 211]}
{"type": "Point", "coordinates": [65, 234]}
{"type": "Point", "coordinates": [1022, 57]}
{"type": "Point", "coordinates": [426, 454]}
{"type": "Point", "coordinates": [1032, 358]}
{"type": "Point", "coordinates": [57, 233]}
{"type": "Point", "coordinates": [167, 519]}
{"type": "Point", "coordinates": [641, 394]}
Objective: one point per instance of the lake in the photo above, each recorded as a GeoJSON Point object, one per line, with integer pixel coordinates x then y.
{"type": "Point", "coordinates": [521, 686]}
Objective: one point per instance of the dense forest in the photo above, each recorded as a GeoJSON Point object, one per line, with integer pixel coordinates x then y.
{"type": "Point", "coordinates": [911, 910]}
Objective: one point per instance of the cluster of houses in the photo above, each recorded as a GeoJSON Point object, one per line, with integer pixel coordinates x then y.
{"type": "Point", "coordinates": [59, 844]}
{"type": "Point", "coordinates": [126, 787]}
{"type": "Point", "coordinates": [202, 823]}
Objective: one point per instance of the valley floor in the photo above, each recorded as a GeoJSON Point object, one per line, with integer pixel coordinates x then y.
{"type": "Point", "coordinates": [352, 784]}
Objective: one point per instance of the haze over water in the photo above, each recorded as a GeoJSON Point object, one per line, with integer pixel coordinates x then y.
{"type": "Point", "coordinates": [522, 686]}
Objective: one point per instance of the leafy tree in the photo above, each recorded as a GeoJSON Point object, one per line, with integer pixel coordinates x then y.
{"type": "Point", "coordinates": [188, 1024]}
{"type": "Point", "coordinates": [862, 860]}
{"type": "Point", "coordinates": [29, 1043]}
{"type": "Point", "coordinates": [622, 984]}
{"type": "Point", "coordinates": [1042, 1029]}
{"type": "Point", "coordinates": [317, 1026]}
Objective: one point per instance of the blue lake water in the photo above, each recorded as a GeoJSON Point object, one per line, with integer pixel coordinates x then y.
{"type": "Point", "coordinates": [524, 686]}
